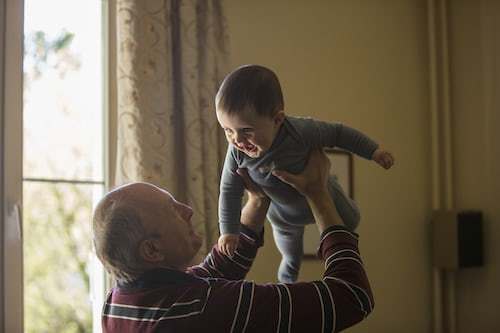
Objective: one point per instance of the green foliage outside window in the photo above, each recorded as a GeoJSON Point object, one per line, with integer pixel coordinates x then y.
{"type": "Point", "coordinates": [56, 252]}
{"type": "Point", "coordinates": [56, 221]}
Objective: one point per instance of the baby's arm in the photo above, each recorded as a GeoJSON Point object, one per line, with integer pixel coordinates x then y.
{"type": "Point", "coordinates": [345, 137]}
{"type": "Point", "coordinates": [231, 193]}
{"type": "Point", "coordinates": [383, 158]}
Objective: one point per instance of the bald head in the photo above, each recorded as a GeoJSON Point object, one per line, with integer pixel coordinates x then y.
{"type": "Point", "coordinates": [139, 226]}
{"type": "Point", "coordinates": [118, 231]}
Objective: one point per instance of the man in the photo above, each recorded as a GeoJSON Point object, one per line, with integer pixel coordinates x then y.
{"type": "Point", "coordinates": [145, 239]}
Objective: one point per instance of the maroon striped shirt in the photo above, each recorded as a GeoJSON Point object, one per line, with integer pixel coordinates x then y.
{"type": "Point", "coordinates": [213, 297]}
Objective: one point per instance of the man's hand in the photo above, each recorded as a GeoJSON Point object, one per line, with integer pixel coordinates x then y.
{"type": "Point", "coordinates": [312, 183]}
{"type": "Point", "coordinates": [253, 214]}
{"type": "Point", "coordinates": [314, 177]}
{"type": "Point", "coordinates": [253, 190]}
{"type": "Point", "coordinates": [383, 158]}
{"type": "Point", "coordinates": [228, 244]}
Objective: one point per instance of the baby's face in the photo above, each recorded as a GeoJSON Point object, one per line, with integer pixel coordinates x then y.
{"type": "Point", "coordinates": [250, 132]}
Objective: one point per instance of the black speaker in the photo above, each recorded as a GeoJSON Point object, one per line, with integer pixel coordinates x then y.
{"type": "Point", "coordinates": [457, 239]}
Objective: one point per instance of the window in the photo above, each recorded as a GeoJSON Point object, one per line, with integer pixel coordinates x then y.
{"type": "Point", "coordinates": [63, 163]}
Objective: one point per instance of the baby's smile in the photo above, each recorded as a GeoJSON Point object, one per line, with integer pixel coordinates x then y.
{"type": "Point", "coordinates": [247, 148]}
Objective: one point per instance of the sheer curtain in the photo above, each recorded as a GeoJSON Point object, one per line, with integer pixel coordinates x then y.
{"type": "Point", "coordinates": [171, 56]}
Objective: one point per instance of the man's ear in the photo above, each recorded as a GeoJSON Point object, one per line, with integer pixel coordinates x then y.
{"type": "Point", "coordinates": [150, 251]}
{"type": "Point", "coordinates": [279, 118]}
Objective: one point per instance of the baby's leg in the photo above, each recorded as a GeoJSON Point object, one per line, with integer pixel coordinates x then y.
{"type": "Point", "coordinates": [289, 240]}
{"type": "Point", "coordinates": [347, 208]}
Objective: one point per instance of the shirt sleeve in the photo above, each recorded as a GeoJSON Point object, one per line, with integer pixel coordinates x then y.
{"type": "Point", "coordinates": [231, 194]}
{"type": "Point", "coordinates": [324, 134]}
{"type": "Point", "coordinates": [218, 265]}
{"type": "Point", "coordinates": [339, 300]}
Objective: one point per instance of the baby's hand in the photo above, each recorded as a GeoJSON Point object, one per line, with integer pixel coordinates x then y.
{"type": "Point", "coordinates": [383, 158]}
{"type": "Point", "coordinates": [228, 244]}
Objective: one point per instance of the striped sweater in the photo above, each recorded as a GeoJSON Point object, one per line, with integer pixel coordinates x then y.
{"type": "Point", "coordinates": [213, 297]}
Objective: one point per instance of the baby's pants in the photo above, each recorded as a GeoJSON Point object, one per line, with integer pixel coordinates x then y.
{"type": "Point", "coordinates": [288, 235]}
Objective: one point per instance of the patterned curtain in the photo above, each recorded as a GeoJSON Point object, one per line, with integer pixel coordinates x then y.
{"type": "Point", "coordinates": [171, 57]}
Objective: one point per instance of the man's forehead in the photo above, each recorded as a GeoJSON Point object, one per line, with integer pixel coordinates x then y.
{"type": "Point", "coordinates": [138, 190]}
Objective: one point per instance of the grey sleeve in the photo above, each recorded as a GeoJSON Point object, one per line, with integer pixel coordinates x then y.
{"type": "Point", "coordinates": [231, 194]}
{"type": "Point", "coordinates": [338, 135]}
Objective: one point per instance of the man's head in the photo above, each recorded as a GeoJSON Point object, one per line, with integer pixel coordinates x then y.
{"type": "Point", "coordinates": [139, 226]}
{"type": "Point", "coordinates": [250, 108]}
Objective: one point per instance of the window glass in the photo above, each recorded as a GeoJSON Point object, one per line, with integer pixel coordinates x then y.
{"type": "Point", "coordinates": [63, 89]}
{"type": "Point", "coordinates": [62, 162]}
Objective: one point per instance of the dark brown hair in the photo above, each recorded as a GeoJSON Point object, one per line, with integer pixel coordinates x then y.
{"type": "Point", "coordinates": [250, 86]}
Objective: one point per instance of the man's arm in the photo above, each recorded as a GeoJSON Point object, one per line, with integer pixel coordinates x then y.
{"type": "Point", "coordinates": [253, 215]}
{"type": "Point", "coordinates": [218, 265]}
{"type": "Point", "coordinates": [339, 300]}
{"type": "Point", "coordinates": [343, 297]}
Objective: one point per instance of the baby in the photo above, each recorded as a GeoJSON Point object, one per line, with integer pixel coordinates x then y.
{"type": "Point", "coordinates": [262, 139]}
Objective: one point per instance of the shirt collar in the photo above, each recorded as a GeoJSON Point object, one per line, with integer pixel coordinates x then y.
{"type": "Point", "coordinates": [158, 277]}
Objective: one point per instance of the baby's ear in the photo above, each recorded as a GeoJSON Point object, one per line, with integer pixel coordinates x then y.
{"type": "Point", "coordinates": [279, 118]}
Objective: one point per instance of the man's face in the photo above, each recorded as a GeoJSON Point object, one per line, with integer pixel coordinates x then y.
{"type": "Point", "coordinates": [170, 223]}
{"type": "Point", "coordinates": [250, 132]}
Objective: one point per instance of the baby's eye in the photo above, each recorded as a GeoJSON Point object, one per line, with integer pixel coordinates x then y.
{"type": "Point", "coordinates": [247, 130]}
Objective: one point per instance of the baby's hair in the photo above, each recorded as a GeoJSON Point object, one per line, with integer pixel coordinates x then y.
{"type": "Point", "coordinates": [250, 86]}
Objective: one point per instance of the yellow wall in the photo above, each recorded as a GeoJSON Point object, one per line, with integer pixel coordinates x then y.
{"type": "Point", "coordinates": [475, 50]}
{"type": "Point", "coordinates": [364, 64]}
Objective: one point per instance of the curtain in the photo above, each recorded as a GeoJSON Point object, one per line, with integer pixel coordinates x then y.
{"type": "Point", "coordinates": [171, 55]}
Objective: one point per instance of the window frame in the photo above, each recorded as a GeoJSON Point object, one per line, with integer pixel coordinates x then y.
{"type": "Point", "coordinates": [11, 162]}
{"type": "Point", "coordinates": [11, 71]}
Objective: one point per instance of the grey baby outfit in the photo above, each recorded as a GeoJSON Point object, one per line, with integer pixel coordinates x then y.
{"type": "Point", "coordinates": [289, 211]}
